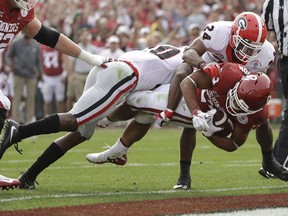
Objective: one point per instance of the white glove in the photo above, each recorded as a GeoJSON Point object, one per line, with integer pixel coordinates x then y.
{"type": "Point", "coordinates": [103, 123]}
{"type": "Point", "coordinates": [212, 128]}
{"type": "Point", "coordinates": [93, 59]}
{"type": "Point", "coordinates": [163, 117]}
{"type": "Point", "coordinates": [200, 120]}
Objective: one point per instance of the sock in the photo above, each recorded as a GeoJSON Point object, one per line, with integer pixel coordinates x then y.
{"type": "Point", "coordinates": [48, 157]}
{"type": "Point", "coordinates": [185, 167]}
{"type": "Point", "coordinates": [121, 147]}
{"type": "Point", "coordinates": [49, 124]}
{"type": "Point", "coordinates": [267, 156]}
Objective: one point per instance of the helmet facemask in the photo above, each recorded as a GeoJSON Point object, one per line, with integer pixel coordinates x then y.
{"type": "Point", "coordinates": [25, 4]}
{"type": "Point", "coordinates": [236, 106]}
{"type": "Point", "coordinates": [245, 50]}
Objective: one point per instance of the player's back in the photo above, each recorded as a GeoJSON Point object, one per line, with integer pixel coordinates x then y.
{"type": "Point", "coordinates": [155, 65]}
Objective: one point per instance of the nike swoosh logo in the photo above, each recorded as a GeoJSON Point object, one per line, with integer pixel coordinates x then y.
{"type": "Point", "coordinates": [13, 128]}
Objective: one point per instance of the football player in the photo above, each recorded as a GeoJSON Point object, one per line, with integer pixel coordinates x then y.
{"type": "Point", "coordinates": [241, 94]}
{"type": "Point", "coordinates": [240, 41]}
{"type": "Point", "coordinates": [105, 88]}
{"type": "Point", "coordinates": [18, 15]}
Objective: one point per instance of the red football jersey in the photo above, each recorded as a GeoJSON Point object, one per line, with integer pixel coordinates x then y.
{"type": "Point", "coordinates": [12, 22]}
{"type": "Point", "coordinates": [216, 97]}
{"type": "Point", "coordinates": [51, 61]}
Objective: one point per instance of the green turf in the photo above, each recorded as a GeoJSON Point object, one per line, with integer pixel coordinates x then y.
{"type": "Point", "coordinates": [151, 171]}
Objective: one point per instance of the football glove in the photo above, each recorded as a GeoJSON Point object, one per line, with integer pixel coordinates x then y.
{"type": "Point", "coordinates": [103, 123]}
{"type": "Point", "coordinates": [212, 69]}
{"type": "Point", "coordinates": [212, 128]}
{"type": "Point", "coordinates": [163, 117]}
{"type": "Point", "coordinates": [200, 120]}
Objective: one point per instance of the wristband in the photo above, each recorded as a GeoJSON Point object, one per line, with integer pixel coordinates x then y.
{"type": "Point", "coordinates": [169, 113]}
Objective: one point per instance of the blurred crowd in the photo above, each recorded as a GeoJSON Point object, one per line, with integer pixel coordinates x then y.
{"type": "Point", "coordinates": [111, 27]}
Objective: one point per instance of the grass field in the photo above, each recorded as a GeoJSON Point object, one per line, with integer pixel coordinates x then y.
{"type": "Point", "coordinates": [151, 172]}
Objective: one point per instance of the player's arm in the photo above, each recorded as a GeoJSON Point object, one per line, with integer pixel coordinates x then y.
{"type": "Point", "coordinates": [189, 87]}
{"type": "Point", "coordinates": [232, 143]}
{"type": "Point", "coordinates": [60, 42]}
{"type": "Point", "coordinates": [174, 95]}
{"type": "Point", "coordinates": [192, 55]}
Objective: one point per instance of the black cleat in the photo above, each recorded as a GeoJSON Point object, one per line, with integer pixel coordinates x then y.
{"type": "Point", "coordinates": [265, 173]}
{"type": "Point", "coordinates": [26, 183]}
{"type": "Point", "coordinates": [11, 136]}
{"type": "Point", "coordinates": [183, 183]}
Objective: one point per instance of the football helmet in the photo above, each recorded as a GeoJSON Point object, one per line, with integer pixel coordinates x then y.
{"type": "Point", "coordinates": [248, 33]}
{"type": "Point", "coordinates": [25, 4]}
{"type": "Point", "coordinates": [249, 95]}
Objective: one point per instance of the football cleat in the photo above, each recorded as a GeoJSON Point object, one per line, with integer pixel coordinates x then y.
{"type": "Point", "coordinates": [26, 183]}
{"type": "Point", "coordinates": [183, 183]}
{"type": "Point", "coordinates": [11, 136]}
{"type": "Point", "coordinates": [265, 173]}
{"type": "Point", "coordinates": [8, 183]}
{"type": "Point", "coordinates": [111, 155]}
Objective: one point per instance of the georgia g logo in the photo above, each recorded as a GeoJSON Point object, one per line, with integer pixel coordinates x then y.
{"type": "Point", "coordinates": [242, 23]}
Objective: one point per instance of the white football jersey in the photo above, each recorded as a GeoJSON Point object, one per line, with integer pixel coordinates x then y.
{"type": "Point", "coordinates": [155, 66]}
{"type": "Point", "coordinates": [216, 37]}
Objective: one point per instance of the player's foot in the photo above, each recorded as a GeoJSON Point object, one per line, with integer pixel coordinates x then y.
{"type": "Point", "coordinates": [11, 136]}
{"type": "Point", "coordinates": [26, 183]}
{"type": "Point", "coordinates": [265, 173]}
{"type": "Point", "coordinates": [111, 155]}
{"type": "Point", "coordinates": [183, 183]}
{"type": "Point", "coordinates": [8, 183]}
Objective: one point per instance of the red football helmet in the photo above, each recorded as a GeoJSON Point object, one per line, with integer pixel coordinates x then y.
{"type": "Point", "coordinates": [249, 95]}
{"type": "Point", "coordinates": [248, 33]}
{"type": "Point", "coordinates": [25, 4]}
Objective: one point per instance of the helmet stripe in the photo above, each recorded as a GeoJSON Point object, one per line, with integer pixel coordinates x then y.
{"type": "Point", "coordinates": [259, 20]}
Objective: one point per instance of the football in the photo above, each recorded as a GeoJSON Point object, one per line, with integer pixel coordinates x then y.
{"type": "Point", "coordinates": [220, 119]}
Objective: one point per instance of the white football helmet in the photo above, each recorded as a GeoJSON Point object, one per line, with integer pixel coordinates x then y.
{"type": "Point", "coordinates": [25, 4]}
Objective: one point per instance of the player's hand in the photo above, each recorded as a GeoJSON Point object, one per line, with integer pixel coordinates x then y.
{"type": "Point", "coordinates": [106, 60]}
{"type": "Point", "coordinates": [103, 123]}
{"type": "Point", "coordinates": [200, 120]}
{"type": "Point", "coordinates": [163, 117]}
{"type": "Point", "coordinates": [212, 69]}
{"type": "Point", "coordinates": [212, 128]}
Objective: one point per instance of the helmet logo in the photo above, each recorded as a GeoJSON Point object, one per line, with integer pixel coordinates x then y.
{"type": "Point", "coordinates": [242, 23]}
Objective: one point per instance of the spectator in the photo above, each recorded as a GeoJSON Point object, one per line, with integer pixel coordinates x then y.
{"type": "Point", "coordinates": [53, 84]}
{"type": "Point", "coordinates": [77, 77]}
{"type": "Point", "coordinates": [24, 59]}
{"type": "Point", "coordinates": [113, 50]}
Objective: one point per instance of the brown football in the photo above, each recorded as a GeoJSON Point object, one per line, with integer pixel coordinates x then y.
{"type": "Point", "coordinates": [220, 119]}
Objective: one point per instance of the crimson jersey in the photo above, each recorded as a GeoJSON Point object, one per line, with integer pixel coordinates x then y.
{"type": "Point", "coordinates": [51, 61]}
{"type": "Point", "coordinates": [216, 97]}
{"type": "Point", "coordinates": [12, 22]}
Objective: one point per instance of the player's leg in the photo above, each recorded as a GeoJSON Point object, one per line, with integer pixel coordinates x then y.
{"type": "Point", "coordinates": [117, 153]}
{"type": "Point", "coordinates": [55, 151]}
{"type": "Point", "coordinates": [187, 146]}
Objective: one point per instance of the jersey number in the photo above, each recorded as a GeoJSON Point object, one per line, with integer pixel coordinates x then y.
{"type": "Point", "coordinates": [5, 39]}
{"type": "Point", "coordinates": [206, 36]}
{"type": "Point", "coordinates": [164, 52]}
